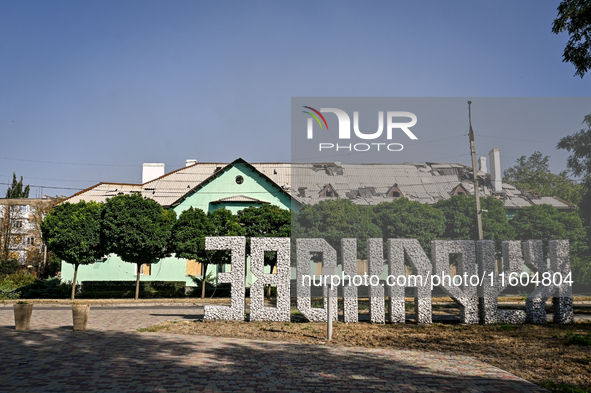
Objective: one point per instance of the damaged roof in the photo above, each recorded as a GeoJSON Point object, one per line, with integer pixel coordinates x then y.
{"type": "Point", "coordinates": [363, 184]}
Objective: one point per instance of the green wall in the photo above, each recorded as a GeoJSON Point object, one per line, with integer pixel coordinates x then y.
{"type": "Point", "coordinates": [224, 186]}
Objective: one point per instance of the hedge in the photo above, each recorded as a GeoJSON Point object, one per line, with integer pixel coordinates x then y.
{"type": "Point", "coordinates": [126, 289]}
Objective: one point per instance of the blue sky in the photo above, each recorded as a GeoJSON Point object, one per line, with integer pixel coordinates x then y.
{"type": "Point", "coordinates": [89, 90]}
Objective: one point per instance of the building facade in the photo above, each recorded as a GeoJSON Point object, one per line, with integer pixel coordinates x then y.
{"type": "Point", "coordinates": [20, 233]}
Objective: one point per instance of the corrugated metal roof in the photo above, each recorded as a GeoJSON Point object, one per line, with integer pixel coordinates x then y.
{"type": "Point", "coordinates": [426, 183]}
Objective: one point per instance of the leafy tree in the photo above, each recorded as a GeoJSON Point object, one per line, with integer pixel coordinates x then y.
{"type": "Point", "coordinates": [545, 222]}
{"type": "Point", "coordinates": [460, 218]}
{"type": "Point", "coordinates": [265, 221]}
{"type": "Point", "coordinates": [574, 16]}
{"type": "Point", "coordinates": [334, 220]}
{"type": "Point", "coordinates": [533, 174]}
{"type": "Point", "coordinates": [579, 163]}
{"type": "Point", "coordinates": [17, 190]}
{"type": "Point", "coordinates": [73, 233]}
{"type": "Point", "coordinates": [403, 218]}
{"type": "Point", "coordinates": [188, 238]}
{"type": "Point", "coordinates": [35, 252]}
{"type": "Point", "coordinates": [225, 223]}
{"type": "Point", "coordinates": [138, 230]}
{"type": "Point", "coordinates": [581, 268]}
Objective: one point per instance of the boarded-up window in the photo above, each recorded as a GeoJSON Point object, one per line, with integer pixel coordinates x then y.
{"type": "Point", "coordinates": [145, 270]}
{"type": "Point", "coordinates": [193, 268]}
{"type": "Point", "coordinates": [362, 267]}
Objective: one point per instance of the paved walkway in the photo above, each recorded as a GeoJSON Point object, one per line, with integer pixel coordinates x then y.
{"type": "Point", "coordinates": [112, 356]}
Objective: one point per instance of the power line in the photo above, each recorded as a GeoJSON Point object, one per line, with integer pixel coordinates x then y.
{"type": "Point", "coordinates": [515, 139]}
{"type": "Point", "coordinates": [59, 188]}
{"type": "Point", "coordinates": [68, 180]}
{"type": "Point", "coordinates": [61, 163]}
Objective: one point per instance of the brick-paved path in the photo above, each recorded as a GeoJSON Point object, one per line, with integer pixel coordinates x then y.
{"type": "Point", "coordinates": [111, 356]}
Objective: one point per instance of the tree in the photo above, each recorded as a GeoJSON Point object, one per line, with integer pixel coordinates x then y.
{"type": "Point", "coordinates": [460, 216]}
{"type": "Point", "coordinates": [579, 163]}
{"type": "Point", "coordinates": [545, 222]}
{"type": "Point", "coordinates": [73, 233]}
{"type": "Point", "coordinates": [16, 190]}
{"type": "Point", "coordinates": [225, 223]}
{"type": "Point", "coordinates": [338, 219]}
{"type": "Point", "coordinates": [36, 255]}
{"type": "Point", "coordinates": [574, 16]}
{"type": "Point", "coordinates": [403, 218]}
{"type": "Point", "coordinates": [138, 230]}
{"type": "Point", "coordinates": [188, 238]}
{"type": "Point", "coordinates": [265, 221]}
{"type": "Point", "coordinates": [533, 174]}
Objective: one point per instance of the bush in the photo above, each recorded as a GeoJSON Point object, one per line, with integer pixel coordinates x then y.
{"type": "Point", "coordinates": [126, 289]}
{"type": "Point", "coordinates": [51, 288]}
{"type": "Point", "coordinates": [211, 290]}
{"type": "Point", "coordinates": [9, 295]}
{"type": "Point", "coordinates": [581, 269]}
{"type": "Point", "coordinates": [51, 268]}
{"type": "Point", "coordinates": [16, 280]}
{"type": "Point", "coordinates": [9, 266]}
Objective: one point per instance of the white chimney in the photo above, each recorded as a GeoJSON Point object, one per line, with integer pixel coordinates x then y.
{"type": "Point", "coordinates": [151, 171]}
{"type": "Point", "coordinates": [495, 170]}
{"type": "Point", "coordinates": [482, 164]}
{"type": "Point", "coordinates": [190, 162]}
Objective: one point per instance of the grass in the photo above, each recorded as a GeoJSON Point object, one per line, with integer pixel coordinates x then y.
{"type": "Point", "coordinates": [507, 328]}
{"type": "Point", "coordinates": [577, 339]}
{"type": "Point", "coordinates": [562, 388]}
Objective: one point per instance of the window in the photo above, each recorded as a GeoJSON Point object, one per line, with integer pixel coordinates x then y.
{"type": "Point", "coordinates": [31, 241]}
{"type": "Point", "coordinates": [328, 191]}
{"type": "Point", "coordinates": [24, 208]}
{"type": "Point", "coordinates": [145, 270]}
{"type": "Point", "coordinates": [460, 190]}
{"type": "Point", "coordinates": [395, 192]}
{"type": "Point", "coordinates": [239, 179]}
{"type": "Point", "coordinates": [17, 224]}
{"type": "Point", "coordinates": [193, 268]}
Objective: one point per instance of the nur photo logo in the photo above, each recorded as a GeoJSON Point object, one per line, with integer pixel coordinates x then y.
{"type": "Point", "coordinates": [392, 120]}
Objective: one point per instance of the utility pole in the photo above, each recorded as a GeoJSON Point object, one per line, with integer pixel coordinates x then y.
{"type": "Point", "coordinates": [475, 172]}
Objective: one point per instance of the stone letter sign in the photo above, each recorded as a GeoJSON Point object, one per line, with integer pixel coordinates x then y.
{"type": "Point", "coordinates": [475, 287]}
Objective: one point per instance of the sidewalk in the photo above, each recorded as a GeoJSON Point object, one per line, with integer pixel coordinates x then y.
{"type": "Point", "coordinates": [112, 356]}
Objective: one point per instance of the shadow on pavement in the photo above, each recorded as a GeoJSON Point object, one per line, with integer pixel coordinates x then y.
{"type": "Point", "coordinates": [67, 361]}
